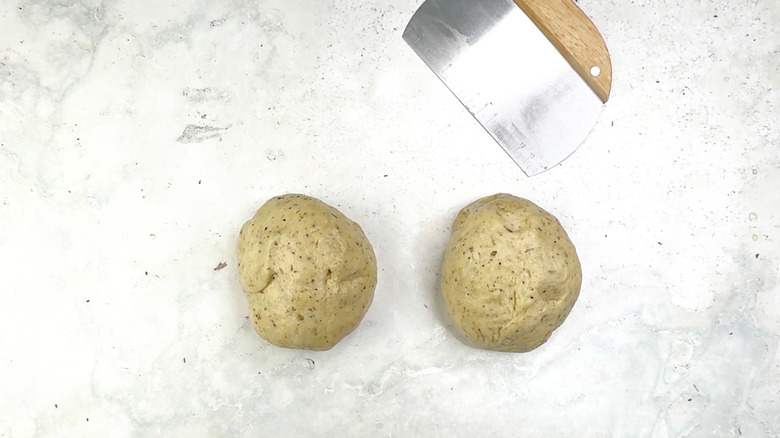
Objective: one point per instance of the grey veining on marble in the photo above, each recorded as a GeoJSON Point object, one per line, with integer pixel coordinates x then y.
{"type": "Point", "coordinates": [137, 136]}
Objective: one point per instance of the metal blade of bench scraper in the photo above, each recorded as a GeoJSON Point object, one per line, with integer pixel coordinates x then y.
{"type": "Point", "coordinates": [509, 77]}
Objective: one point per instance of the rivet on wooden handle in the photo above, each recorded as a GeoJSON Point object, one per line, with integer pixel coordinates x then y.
{"type": "Point", "coordinates": [576, 37]}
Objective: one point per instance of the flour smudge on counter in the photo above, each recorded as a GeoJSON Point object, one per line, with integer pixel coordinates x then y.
{"type": "Point", "coordinates": [199, 133]}
{"type": "Point", "coordinates": [207, 94]}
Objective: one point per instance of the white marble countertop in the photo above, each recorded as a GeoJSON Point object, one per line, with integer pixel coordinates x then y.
{"type": "Point", "coordinates": [137, 136]}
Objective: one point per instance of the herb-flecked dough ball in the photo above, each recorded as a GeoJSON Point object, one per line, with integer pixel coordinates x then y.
{"type": "Point", "coordinates": [308, 272]}
{"type": "Point", "coordinates": [510, 274]}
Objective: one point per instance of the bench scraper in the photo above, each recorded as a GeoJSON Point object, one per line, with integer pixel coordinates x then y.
{"type": "Point", "coordinates": [534, 73]}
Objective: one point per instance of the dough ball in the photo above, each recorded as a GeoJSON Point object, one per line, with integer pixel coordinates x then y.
{"type": "Point", "coordinates": [308, 272]}
{"type": "Point", "coordinates": [510, 274]}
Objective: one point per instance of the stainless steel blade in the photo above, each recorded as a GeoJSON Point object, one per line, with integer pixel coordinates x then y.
{"type": "Point", "coordinates": [508, 75]}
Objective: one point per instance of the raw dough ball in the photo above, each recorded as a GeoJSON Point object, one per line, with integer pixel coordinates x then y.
{"type": "Point", "coordinates": [308, 272]}
{"type": "Point", "coordinates": [510, 274]}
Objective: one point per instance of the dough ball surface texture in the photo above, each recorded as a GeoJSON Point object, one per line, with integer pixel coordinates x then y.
{"type": "Point", "coordinates": [510, 274]}
{"type": "Point", "coordinates": [308, 272]}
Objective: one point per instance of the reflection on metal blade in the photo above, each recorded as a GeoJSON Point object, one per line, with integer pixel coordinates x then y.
{"type": "Point", "coordinates": [508, 75]}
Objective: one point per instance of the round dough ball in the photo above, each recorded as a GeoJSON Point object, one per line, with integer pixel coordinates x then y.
{"type": "Point", "coordinates": [308, 272]}
{"type": "Point", "coordinates": [510, 274]}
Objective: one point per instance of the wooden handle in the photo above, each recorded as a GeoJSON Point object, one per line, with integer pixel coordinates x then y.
{"type": "Point", "coordinates": [576, 37]}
